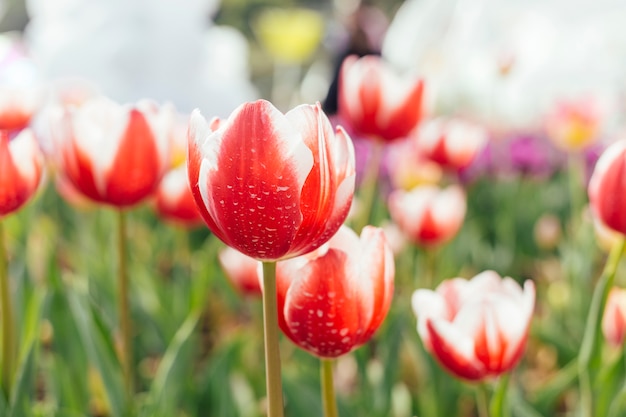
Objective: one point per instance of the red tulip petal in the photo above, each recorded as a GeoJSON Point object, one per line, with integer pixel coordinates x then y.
{"type": "Point", "coordinates": [453, 351]}
{"type": "Point", "coordinates": [251, 178]}
{"type": "Point", "coordinates": [136, 169]}
{"type": "Point", "coordinates": [320, 307]}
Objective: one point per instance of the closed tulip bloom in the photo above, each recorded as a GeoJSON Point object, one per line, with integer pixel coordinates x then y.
{"type": "Point", "coordinates": [452, 143]}
{"type": "Point", "coordinates": [268, 184]}
{"type": "Point", "coordinates": [243, 271]}
{"type": "Point", "coordinates": [173, 199]}
{"type": "Point", "coordinates": [478, 328]}
{"type": "Point", "coordinates": [614, 319]}
{"type": "Point", "coordinates": [428, 215]}
{"type": "Point", "coordinates": [116, 154]}
{"type": "Point", "coordinates": [332, 300]}
{"type": "Point", "coordinates": [376, 101]}
{"type": "Point", "coordinates": [21, 168]}
{"type": "Point", "coordinates": [607, 187]}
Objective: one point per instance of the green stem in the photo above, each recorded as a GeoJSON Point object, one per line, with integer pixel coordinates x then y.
{"type": "Point", "coordinates": [369, 186]}
{"type": "Point", "coordinates": [592, 328]}
{"type": "Point", "coordinates": [272, 351]}
{"type": "Point", "coordinates": [329, 402]}
{"type": "Point", "coordinates": [482, 404]}
{"type": "Point", "coordinates": [497, 406]}
{"type": "Point", "coordinates": [6, 311]}
{"type": "Point", "coordinates": [124, 310]}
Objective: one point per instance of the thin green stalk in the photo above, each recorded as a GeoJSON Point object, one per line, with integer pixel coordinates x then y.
{"type": "Point", "coordinates": [329, 402]}
{"type": "Point", "coordinates": [124, 310]}
{"type": "Point", "coordinates": [592, 328]}
{"type": "Point", "coordinates": [369, 186]}
{"type": "Point", "coordinates": [272, 352]}
{"type": "Point", "coordinates": [498, 406]}
{"type": "Point", "coordinates": [6, 311]}
{"type": "Point", "coordinates": [482, 403]}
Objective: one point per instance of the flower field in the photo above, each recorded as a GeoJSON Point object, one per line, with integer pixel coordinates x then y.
{"type": "Point", "coordinates": [391, 239]}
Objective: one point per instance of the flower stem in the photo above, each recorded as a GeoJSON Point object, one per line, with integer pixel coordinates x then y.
{"type": "Point", "coordinates": [126, 357]}
{"type": "Point", "coordinates": [329, 402]}
{"type": "Point", "coordinates": [592, 328]}
{"type": "Point", "coordinates": [369, 185]}
{"type": "Point", "coordinates": [497, 406]}
{"type": "Point", "coordinates": [272, 352]}
{"type": "Point", "coordinates": [6, 311]}
{"type": "Point", "coordinates": [482, 403]}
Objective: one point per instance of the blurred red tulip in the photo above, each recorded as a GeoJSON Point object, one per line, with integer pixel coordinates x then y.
{"type": "Point", "coordinates": [428, 215]}
{"type": "Point", "coordinates": [377, 102]}
{"type": "Point", "coordinates": [268, 184]}
{"type": "Point", "coordinates": [614, 319]}
{"type": "Point", "coordinates": [242, 271]}
{"type": "Point", "coordinates": [116, 154]}
{"type": "Point", "coordinates": [174, 201]}
{"type": "Point", "coordinates": [332, 300]}
{"type": "Point", "coordinates": [21, 167]}
{"type": "Point", "coordinates": [452, 143]}
{"type": "Point", "coordinates": [607, 187]}
{"type": "Point", "coordinates": [475, 328]}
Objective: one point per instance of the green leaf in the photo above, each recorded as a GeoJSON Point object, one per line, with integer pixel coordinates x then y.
{"type": "Point", "coordinates": [167, 383]}
{"type": "Point", "coordinates": [95, 337]}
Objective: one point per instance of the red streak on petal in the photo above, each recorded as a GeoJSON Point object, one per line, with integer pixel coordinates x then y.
{"type": "Point", "coordinates": [322, 314]}
{"type": "Point", "coordinates": [255, 188]}
{"type": "Point", "coordinates": [446, 353]}
{"type": "Point", "coordinates": [14, 190]}
{"type": "Point", "coordinates": [136, 169]}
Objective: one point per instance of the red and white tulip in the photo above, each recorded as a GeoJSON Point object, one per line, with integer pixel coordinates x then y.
{"type": "Point", "coordinates": [376, 101]}
{"type": "Point", "coordinates": [332, 300]}
{"type": "Point", "coordinates": [21, 169]}
{"type": "Point", "coordinates": [268, 184]}
{"type": "Point", "coordinates": [428, 215]}
{"type": "Point", "coordinates": [478, 328]}
{"type": "Point", "coordinates": [116, 154]}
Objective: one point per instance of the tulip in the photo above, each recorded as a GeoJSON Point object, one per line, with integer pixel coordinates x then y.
{"type": "Point", "coordinates": [174, 201]}
{"type": "Point", "coordinates": [476, 329]}
{"type": "Point", "coordinates": [607, 187]}
{"type": "Point", "coordinates": [377, 102]}
{"type": "Point", "coordinates": [614, 318]}
{"type": "Point", "coordinates": [332, 300]}
{"type": "Point", "coordinates": [452, 143]}
{"type": "Point", "coordinates": [21, 168]}
{"type": "Point", "coordinates": [242, 271]}
{"type": "Point", "coordinates": [408, 166]}
{"type": "Point", "coordinates": [116, 154]}
{"type": "Point", "coordinates": [428, 215]}
{"type": "Point", "coordinates": [271, 185]}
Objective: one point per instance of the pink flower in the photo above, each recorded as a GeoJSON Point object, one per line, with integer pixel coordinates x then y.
{"type": "Point", "coordinates": [116, 154]}
{"type": "Point", "coordinates": [452, 143]}
{"type": "Point", "coordinates": [428, 215]}
{"type": "Point", "coordinates": [614, 319]}
{"type": "Point", "coordinates": [268, 184]}
{"type": "Point", "coordinates": [332, 300]}
{"type": "Point", "coordinates": [607, 187]}
{"type": "Point", "coordinates": [476, 328]}
{"type": "Point", "coordinates": [21, 167]}
{"type": "Point", "coordinates": [377, 102]}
